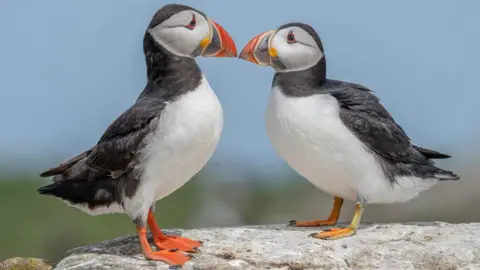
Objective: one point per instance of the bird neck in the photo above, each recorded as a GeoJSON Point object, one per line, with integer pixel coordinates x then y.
{"type": "Point", "coordinates": [302, 82]}
{"type": "Point", "coordinates": [166, 70]}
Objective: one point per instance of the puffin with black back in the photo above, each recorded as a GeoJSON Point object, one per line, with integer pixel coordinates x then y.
{"type": "Point", "coordinates": [162, 140]}
{"type": "Point", "coordinates": [336, 134]}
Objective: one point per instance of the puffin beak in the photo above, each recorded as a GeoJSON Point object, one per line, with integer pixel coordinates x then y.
{"type": "Point", "coordinates": [219, 43]}
{"type": "Point", "coordinates": [259, 51]}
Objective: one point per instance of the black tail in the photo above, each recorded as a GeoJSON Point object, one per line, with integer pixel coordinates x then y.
{"type": "Point", "coordinates": [431, 154]}
{"type": "Point", "coordinates": [444, 175]}
{"type": "Point", "coordinates": [94, 193]}
{"type": "Point", "coordinates": [48, 189]}
{"type": "Point", "coordinates": [437, 173]}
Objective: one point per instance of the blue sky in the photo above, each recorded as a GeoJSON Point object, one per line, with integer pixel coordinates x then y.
{"type": "Point", "coordinates": [69, 68]}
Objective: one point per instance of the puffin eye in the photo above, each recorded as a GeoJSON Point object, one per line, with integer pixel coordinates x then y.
{"type": "Point", "coordinates": [193, 22]}
{"type": "Point", "coordinates": [291, 37]}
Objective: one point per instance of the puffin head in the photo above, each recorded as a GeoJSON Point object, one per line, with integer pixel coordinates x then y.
{"type": "Point", "coordinates": [187, 32]}
{"type": "Point", "coordinates": [291, 47]}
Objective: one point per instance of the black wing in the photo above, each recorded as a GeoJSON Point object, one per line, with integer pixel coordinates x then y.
{"type": "Point", "coordinates": [65, 166]}
{"type": "Point", "coordinates": [116, 148]}
{"type": "Point", "coordinates": [362, 113]}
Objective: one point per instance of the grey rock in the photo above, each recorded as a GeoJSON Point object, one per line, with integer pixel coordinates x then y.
{"type": "Point", "coordinates": [19, 263]}
{"type": "Point", "coordinates": [429, 245]}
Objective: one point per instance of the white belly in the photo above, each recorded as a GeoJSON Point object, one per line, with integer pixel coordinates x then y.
{"type": "Point", "coordinates": [187, 135]}
{"type": "Point", "coordinates": [309, 134]}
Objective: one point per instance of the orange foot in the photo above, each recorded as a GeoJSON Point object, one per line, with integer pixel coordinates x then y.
{"type": "Point", "coordinates": [334, 233]}
{"type": "Point", "coordinates": [176, 242]}
{"type": "Point", "coordinates": [170, 242]}
{"type": "Point", "coordinates": [332, 218]}
{"type": "Point", "coordinates": [171, 257]}
{"type": "Point", "coordinates": [314, 223]}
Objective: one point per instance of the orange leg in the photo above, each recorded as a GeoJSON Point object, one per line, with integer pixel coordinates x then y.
{"type": "Point", "coordinates": [167, 256]}
{"type": "Point", "coordinates": [332, 219]}
{"type": "Point", "coordinates": [168, 242]}
{"type": "Point", "coordinates": [337, 233]}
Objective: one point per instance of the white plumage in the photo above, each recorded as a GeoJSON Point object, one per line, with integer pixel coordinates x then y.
{"type": "Point", "coordinates": [309, 134]}
{"type": "Point", "coordinates": [187, 134]}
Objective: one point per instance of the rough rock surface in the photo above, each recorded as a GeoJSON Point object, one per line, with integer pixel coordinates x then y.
{"type": "Point", "coordinates": [19, 263]}
{"type": "Point", "coordinates": [432, 245]}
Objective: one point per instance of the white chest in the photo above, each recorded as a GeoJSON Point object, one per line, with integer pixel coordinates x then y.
{"type": "Point", "coordinates": [309, 134]}
{"type": "Point", "coordinates": [188, 132]}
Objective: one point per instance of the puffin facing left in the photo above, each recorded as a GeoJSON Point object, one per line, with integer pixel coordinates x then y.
{"type": "Point", "coordinates": [160, 142]}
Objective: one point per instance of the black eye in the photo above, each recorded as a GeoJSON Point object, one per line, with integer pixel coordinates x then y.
{"type": "Point", "coordinates": [291, 37]}
{"type": "Point", "coordinates": [192, 23]}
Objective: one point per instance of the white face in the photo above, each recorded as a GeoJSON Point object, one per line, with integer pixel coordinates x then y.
{"type": "Point", "coordinates": [296, 49]}
{"type": "Point", "coordinates": [182, 33]}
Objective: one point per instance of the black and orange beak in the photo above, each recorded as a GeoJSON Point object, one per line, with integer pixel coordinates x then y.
{"type": "Point", "coordinates": [259, 51]}
{"type": "Point", "coordinates": [219, 43]}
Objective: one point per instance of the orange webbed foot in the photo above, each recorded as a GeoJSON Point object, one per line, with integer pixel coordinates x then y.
{"type": "Point", "coordinates": [332, 218]}
{"type": "Point", "coordinates": [337, 233]}
{"type": "Point", "coordinates": [314, 223]}
{"type": "Point", "coordinates": [176, 242]}
{"type": "Point", "coordinates": [170, 256]}
{"type": "Point", "coordinates": [168, 242]}
{"type": "Point", "coordinates": [174, 258]}
{"type": "Point", "coordinates": [334, 233]}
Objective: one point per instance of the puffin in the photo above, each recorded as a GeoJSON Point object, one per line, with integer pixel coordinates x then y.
{"type": "Point", "coordinates": [337, 134]}
{"type": "Point", "coordinates": [161, 141]}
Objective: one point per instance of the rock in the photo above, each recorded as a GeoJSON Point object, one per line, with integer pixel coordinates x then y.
{"type": "Point", "coordinates": [24, 264]}
{"type": "Point", "coordinates": [431, 245]}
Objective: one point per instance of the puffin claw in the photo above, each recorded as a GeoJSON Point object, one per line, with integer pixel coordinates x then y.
{"type": "Point", "coordinates": [292, 223]}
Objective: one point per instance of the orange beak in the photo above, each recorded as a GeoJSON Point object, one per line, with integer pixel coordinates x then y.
{"type": "Point", "coordinates": [219, 44]}
{"type": "Point", "coordinates": [258, 50]}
